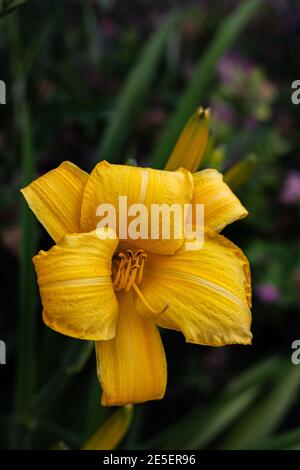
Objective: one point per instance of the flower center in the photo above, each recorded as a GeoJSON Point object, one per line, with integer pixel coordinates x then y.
{"type": "Point", "coordinates": [128, 269]}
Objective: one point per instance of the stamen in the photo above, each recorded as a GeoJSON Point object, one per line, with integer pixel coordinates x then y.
{"type": "Point", "coordinates": [127, 272]}
{"type": "Point", "coordinates": [128, 269]}
{"type": "Point", "coordinates": [146, 303]}
{"type": "Point", "coordinates": [141, 271]}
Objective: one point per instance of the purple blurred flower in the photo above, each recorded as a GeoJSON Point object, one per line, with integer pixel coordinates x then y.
{"type": "Point", "coordinates": [291, 188]}
{"type": "Point", "coordinates": [232, 65]}
{"type": "Point", "coordinates": [268, 293]}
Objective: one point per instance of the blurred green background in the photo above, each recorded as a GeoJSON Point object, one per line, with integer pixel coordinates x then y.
{"type": "Point", "coordinates": [117, 80]}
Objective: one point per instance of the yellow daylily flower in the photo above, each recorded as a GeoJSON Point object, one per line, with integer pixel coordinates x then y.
{"type": "Point", "coordinates": [116, 292]}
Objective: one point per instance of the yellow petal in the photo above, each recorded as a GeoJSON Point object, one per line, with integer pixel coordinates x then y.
{"type": "Point", "coordinates": [190, 146]}
{"type": "Point", "coordinates": [55, 198]}
{"type": "Point", "coordinates": [141, 185]}
{"type": "Point", "coordinates": [76, 289]}
{"type": "Point", "coordinates": [112, 431]}
{"type": "Point", "coordinates": [207, 291]}
{"type": "Point", "coordinates": [221, 206]}
{"type": "Point", "coordinates": [132, 366]}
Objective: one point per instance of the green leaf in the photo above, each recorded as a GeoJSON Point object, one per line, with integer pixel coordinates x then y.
{"type": "Point", "coordinates": [26, 361]}
{"type": "Point", "coordinates": [201, 426]}
{"type": "Point", "coordinates": [134, 93]}
{"type": "Point", "coordinates": [258, 374]}
{"type": "Point", "coordinates": [74, 360]}
{"type": "Point", "coordinates": [82, 357]}
{"type": "Point", "coordinates": [263, 418]}
{"type": "Point", "coordinates": [44, 31]}
{"type": "Point", "coordinates": [28, 293]}
{"type": "Point", "coordinates": [94, 413]}
{"type": "Point", "coordinates": [204, 73]}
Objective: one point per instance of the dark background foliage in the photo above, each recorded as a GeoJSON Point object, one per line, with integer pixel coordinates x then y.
{"type": "Point", "coordinates": [113, 79]}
